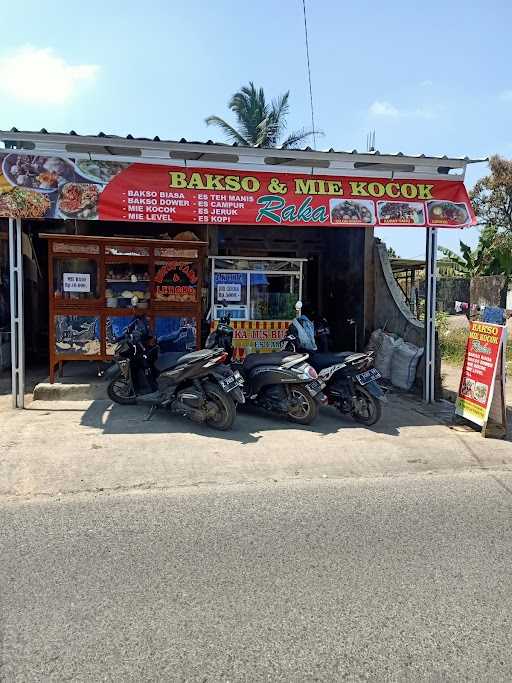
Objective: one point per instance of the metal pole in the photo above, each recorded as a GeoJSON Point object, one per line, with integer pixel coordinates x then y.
{"type": "Point", "coordinates": [12, 294]}
{"type": "Point", "coordinates": [430, 315]}
{"type": "Point", "coordinates": [21, 316]}
{"type": "Point", "coordinates": [17, 327]}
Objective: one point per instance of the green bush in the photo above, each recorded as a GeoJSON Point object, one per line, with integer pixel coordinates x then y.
{"type": "Point", "coordinates": [453, 345]}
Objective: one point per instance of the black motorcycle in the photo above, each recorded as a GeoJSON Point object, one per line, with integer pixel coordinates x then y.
{"type": "Point", "coordinates": [196, 385]}
{"type": "Point", "coordinates": [280, 382]}
{"type": "Point", "coordinates": [351, 381]}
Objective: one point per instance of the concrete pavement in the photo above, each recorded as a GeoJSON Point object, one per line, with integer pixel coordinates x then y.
{"type": "Point", "coordinates": [402, 579]}
{"type": "Point", "coordinates": [56, 448]}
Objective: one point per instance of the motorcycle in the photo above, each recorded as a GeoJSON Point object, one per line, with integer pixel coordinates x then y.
{"type": "Point", "coordinates": [280, 382]}
{"type": "Point", "coordinates": [196, 385]}
{"type": "Point", "coordinates": [351, 381]}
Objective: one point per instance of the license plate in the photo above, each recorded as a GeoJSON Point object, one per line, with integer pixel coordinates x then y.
{"type": "Point", "coordinates": [229, 383]}
{"type": "Point", "coordinates": [370, 375]}
{"type": "Point", "coordinates": [315, 387]}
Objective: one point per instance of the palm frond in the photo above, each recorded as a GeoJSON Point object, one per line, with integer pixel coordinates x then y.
{"type": "Point", "coordinates": [276, 124]}
{"type": "Point", "coordinates": [250, 108]}
{"type": "Point", "coordinates": [298, 136]}
{"type": "Point", "coordinates": [466, 251]}
{"type": "Point", "coordinates": [458, 262]}
{"type": "Point", "coordinates": [231, 132]}
{"type": "Point", "coordinates": [257, 122]}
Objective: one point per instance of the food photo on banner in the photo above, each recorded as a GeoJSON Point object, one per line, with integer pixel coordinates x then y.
{"type": "Point", "coordinates": [34, 186]}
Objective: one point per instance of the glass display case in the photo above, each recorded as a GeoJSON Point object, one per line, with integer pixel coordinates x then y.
{"type": "Point", "coordinates": [97, 286]}
{"type": "Point", "coordinates": [127, 284]}
{"type": "Point", "coordinates": [76, 278]}
{"type": "Point", "coordinates": [260, 294]}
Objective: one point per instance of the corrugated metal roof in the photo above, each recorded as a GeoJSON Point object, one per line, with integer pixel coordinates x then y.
{"type": "Point", "coordinates": [4, 135]}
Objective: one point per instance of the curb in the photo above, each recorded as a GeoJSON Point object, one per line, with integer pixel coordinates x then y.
{"type": "Point", "coordinates": [69, 392]}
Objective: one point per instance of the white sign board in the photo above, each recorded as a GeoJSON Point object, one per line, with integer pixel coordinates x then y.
{"type": "Point", "coordinates": [76, 282]}
{"type": "Point", "coordinates": [229, 292]}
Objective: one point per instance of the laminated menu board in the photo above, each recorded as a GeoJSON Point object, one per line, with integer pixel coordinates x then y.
{"type": "Point", "coordinates": [481, 392]}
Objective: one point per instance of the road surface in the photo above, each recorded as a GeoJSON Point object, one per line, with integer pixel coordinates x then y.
{"type": "Point", "coordinates": [401, 578]}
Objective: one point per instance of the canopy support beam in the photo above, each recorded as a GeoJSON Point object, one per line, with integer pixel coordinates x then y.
{"type": "Point", "coordinates": [17, 322]}
{"type": "Point", "coordinates": [430, 316]}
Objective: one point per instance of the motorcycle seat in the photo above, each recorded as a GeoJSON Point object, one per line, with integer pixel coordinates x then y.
{"type": "Point", "coordinates": [324, 360]}
{"type": "Point", "coordinates": [254, 360]}
{"type": "Point", "coordinates": [169, 360]}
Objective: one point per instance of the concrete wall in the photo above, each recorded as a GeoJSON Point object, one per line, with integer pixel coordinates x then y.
{"type": "Point", "coordinates": [391, 311]}
{"type": "Point", "coordinates": [450, 290]}
{"type": "Point", "coordinates": [392, 314]}
{"type": "Point", "coordinates": [488, 290]}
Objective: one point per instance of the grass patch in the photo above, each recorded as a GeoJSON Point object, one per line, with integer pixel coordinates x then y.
{"type": "Point", "coordinates": [453, 346]}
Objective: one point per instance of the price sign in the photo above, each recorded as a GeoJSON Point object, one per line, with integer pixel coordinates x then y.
{"type": "Point", "coordinates": [229, 292]}
{"type": "Point", "coordinates": [76, 282]}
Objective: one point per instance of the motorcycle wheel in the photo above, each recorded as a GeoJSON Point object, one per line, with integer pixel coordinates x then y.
{"type": "Point", "coordinates": [120, 391]}
{"type": "Point", "coordinates": [224, 410]}
{"type": "Point", "coordinates": [368, 410]}
{"type": "Point", "coordinates": [306, 409]}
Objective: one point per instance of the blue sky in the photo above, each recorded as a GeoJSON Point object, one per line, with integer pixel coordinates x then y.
{"type": "Point", "coordinates": [428, 77]}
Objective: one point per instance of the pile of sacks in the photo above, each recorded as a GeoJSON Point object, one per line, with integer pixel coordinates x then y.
{"type": "Point", "coordinates": [395, 359]}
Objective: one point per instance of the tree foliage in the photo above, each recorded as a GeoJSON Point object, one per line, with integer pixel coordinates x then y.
{"type": "Point", "coordinates": [492, 196]}
{"type": "Point", "coordinates": [469, 263]}
{"type": "Point", "coordinates": [492, 256]}
{"type": "Point", "coordinates": [258, 123]}
{"type": "Point", "coordinates": [492, 201]}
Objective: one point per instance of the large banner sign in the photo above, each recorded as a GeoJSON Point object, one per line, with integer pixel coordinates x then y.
{"type": "Point", "coordinates": [49, 187]}
{"type": "Point", "coordinates": [476, 391]}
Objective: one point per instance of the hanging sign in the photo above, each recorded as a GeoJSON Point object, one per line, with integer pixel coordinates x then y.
{"type": "Point", "coordinates": [87, 189]}
{"type": "Point", "coordinates": [484, 352]}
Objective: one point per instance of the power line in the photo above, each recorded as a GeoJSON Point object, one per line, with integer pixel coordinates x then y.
{"type": "Point", "coordinates": [313, 128]}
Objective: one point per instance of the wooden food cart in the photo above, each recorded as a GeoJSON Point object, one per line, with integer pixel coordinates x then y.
{"type": "Point", "coordinates": [97, 285]}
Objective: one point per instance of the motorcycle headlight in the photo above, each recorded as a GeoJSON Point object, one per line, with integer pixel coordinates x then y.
{"type": "Point", "coordinates": [312, 372]}
{"type": "Point", "coordinates": [305, 371]}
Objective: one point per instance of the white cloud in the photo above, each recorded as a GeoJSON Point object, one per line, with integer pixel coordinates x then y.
{"type": "Point", "coordinates": [384, 108]}
{"type": "Point", "coordinates": [506, 95]}
{"type": "Point", "coordinates": [40, 76]}
{"type": "Point", "coordinates": [427, 84]}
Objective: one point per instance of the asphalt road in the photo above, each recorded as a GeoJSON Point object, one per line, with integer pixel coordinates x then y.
{"type": "Point", "coordinates": [390, 579]}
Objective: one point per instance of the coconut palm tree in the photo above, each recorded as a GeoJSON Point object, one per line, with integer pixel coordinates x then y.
{"type": "Point", "coordinates": [258, 123]}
